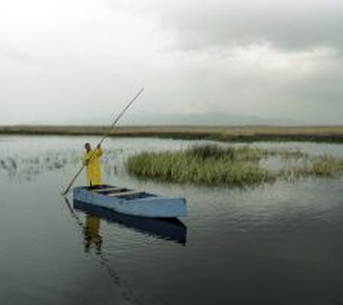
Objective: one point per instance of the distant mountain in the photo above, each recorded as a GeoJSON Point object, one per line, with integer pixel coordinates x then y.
{"type": "Point", "coordinates": [210, 118]}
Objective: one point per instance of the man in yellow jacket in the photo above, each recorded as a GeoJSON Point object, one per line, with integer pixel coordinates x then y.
{"type": "Point", "coordinates": [91, 161]}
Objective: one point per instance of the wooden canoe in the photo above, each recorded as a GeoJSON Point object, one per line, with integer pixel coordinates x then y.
{"type": "Point", "coordinates": [132, 202]}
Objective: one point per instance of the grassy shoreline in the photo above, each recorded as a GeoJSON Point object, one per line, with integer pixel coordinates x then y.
{"type": "Point", "coordinates": [325, 134]}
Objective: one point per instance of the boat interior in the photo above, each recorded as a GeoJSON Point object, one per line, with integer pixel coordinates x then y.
{"type": "Point", "coordinates": [119, 192]}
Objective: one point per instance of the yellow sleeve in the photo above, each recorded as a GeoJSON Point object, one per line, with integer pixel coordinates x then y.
{"type": "Point", "coordinates": [98, 152]}
{"type": "Point", "coordinates": [85, 158]}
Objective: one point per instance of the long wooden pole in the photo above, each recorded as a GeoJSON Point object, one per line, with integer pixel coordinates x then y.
{"type": "Point", "coordinates": [65, 192]}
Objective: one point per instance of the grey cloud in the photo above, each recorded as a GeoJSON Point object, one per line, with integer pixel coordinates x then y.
{"type": "Point", "coordinates": [284, 29]}
{"type": "Point", "coordinates": [266, 81]}
{"type": "Point", "coordinates": [269, 58]}
{"type": "Point", "coordinates": [287, 24]}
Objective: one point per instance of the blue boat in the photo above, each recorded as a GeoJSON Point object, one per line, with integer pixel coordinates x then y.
{"type": "Point", "coordinates": [132, 202]}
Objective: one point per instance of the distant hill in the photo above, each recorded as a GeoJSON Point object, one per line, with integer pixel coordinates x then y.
{"type": "Point", "coordinates": [212, 118]}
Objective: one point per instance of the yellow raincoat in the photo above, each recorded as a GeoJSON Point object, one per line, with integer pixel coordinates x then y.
{"type": "Point", "coordinates": [93, 166]}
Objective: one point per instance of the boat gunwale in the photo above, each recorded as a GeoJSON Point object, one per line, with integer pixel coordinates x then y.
{"type": "Point", "coordinates": [126, 197]}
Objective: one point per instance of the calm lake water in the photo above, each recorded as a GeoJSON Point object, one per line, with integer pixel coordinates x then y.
{"type": "Point", "coordinates": [271, 244]}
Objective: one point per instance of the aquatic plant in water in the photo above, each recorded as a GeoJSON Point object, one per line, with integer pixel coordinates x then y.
{"type": "Point", "coordinates": [210, 164]}
{"type": "Point", "coordinates": [220, 165]}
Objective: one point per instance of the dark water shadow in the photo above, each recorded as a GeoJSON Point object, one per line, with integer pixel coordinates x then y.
{"type": "Point", "coordinates": [170, 229]}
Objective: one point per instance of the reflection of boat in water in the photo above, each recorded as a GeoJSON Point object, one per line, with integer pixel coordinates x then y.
{"type": "Point", "coordinates": [166, 228]}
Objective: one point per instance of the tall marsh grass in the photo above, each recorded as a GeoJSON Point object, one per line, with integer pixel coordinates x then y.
{"type": "Point", "coordinates": [219, 165]}
{"type": "Point", "coordinates": [216, 152]}
{"type": "Point", "coordinates": [321, 166]}
{"type": "Point", "coordinates": [208, 164]}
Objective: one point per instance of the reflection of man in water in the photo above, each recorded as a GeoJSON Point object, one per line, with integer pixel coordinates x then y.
{"type": "Point", "coordinates": [91, 233]}
{"type": "Point", "coordinates": [91, 160]}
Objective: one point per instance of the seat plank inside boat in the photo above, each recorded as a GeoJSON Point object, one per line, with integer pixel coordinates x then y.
{"type": "Point", "coordinates": [126, 193]}
{"type": "Point", "coordinates": [109, 189]}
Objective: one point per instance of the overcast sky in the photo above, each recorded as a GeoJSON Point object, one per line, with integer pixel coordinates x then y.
{"type": "Point", "coordinates": [65, 61]}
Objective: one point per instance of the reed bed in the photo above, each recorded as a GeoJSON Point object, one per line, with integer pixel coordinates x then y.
{"type": "Point", "coordinates": [236, 166]}
{"type": "Point", "coordinates": [322, 166]}
{"type": "Point", "coordinates": [208, 164]}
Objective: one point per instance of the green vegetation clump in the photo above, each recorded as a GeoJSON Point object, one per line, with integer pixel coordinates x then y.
{"type": "Point", "coordinates": [220, 165]}
{"type": "Point", "coordinates": [237, 154]}
{"type": "Point", "coordinates": [208, 164]}
{"type": "Point", "coordinates": [322, 166]}
{"type": "Point", "coordinates": [327, 166]}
